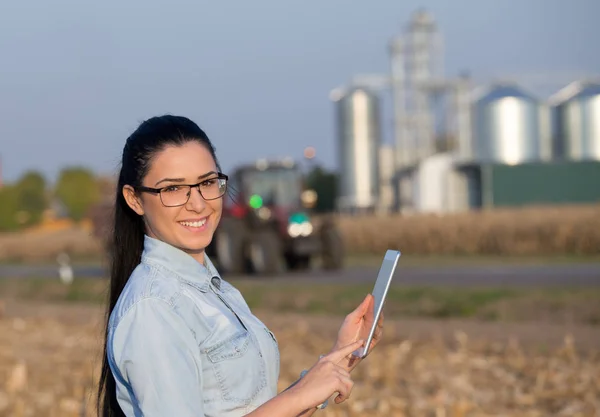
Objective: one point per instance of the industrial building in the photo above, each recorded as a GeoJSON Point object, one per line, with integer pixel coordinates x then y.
{"type": "Point", "coordinates": [508, 147]}
{"type": "Point", "coordinates": [556, 159]}
{"type": "Point", "coordinates": [556, 182]}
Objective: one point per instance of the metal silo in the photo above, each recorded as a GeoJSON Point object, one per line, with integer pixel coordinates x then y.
{"type": "Point", "coordinates": [576, 111]}
{"type": "Point", "coordinates": [507, 126]}
{"type": "Point", "coordinates": [359, 138]}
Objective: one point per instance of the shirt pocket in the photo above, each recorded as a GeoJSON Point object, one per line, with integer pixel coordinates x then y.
{"type": "Point", "coordinates": [238, 367]}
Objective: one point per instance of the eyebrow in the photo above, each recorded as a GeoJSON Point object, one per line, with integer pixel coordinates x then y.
{"type": "Point", "coordinates": [201, 177]}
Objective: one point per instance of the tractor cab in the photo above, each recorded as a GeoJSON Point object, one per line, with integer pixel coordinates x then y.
{"type": "Point", "coordinates": [270, 193]}
{"type": "Point", "coordinates": [271, 186]}
{"type": "Point", "coordinates": [266, 225]}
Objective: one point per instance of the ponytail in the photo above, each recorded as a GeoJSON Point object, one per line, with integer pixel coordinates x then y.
{"type": "Point", "coordinates": [125, 252]}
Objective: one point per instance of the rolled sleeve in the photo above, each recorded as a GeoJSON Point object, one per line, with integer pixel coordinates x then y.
{"type": "Point", "coordinates": [158, 362]}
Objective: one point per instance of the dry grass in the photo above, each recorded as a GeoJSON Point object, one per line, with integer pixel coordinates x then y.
{"type": "Point", "coordinates": [49, 357]}
{"type": "Point", "coordinates": [45, 245]}
{"type": "Point", "coordinates": [535, 231]}
{"type": "Point", "coordinates": [526, 231]}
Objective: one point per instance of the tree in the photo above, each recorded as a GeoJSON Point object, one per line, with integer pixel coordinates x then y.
{"type": "Point", "coordinates": [9, 208]}
{"type": "Point", "coordinates": [32, 199]}
{"type": "Point", "coordinates": [78, 190]}
{"type": "Point", "coordinates": [325, 185]}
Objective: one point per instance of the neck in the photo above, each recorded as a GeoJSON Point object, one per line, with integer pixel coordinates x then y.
{"type": "Point", "coordinates": [198, 256]}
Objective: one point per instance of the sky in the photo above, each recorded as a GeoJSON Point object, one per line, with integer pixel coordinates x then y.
{"type": "Point", "coordinates": [76, 78]}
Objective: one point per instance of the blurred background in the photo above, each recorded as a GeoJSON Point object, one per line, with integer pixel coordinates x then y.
{"type": "Point", "coordinates": [464, 134]}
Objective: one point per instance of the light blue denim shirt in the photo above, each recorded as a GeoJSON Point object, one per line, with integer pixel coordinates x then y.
{"type": "Point", "coordinates": [183, 342]}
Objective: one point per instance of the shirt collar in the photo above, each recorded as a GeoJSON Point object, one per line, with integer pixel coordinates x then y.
{"type": "Point", "coordinates": [159, 253]}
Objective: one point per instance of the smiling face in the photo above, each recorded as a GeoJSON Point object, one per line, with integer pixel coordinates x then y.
{"type": "Point", "coordinates": [189, 227]}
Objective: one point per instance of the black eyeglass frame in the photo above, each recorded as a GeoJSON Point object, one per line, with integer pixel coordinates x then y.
{"type": "Point", "coordinates": [220, 176]}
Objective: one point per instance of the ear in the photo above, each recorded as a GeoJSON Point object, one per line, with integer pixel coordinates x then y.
{"type": "Point", "coordinates": [132, 200]}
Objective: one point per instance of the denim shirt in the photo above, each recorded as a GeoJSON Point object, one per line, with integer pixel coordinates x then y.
{"type": "Point", "coordinates": [183, 342]}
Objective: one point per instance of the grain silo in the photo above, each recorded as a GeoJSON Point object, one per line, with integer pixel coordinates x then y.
{"type": "Point", "coordinates": [359, 138]}
{"type": "Point", "coordinates": [386, 178]}
{"type": "Point", "coordinates": [508, 126]}
{"type": "Point", "coordinates": [576, 111]}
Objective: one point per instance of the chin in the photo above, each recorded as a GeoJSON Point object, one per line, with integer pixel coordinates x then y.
{"type": "Point", "coordinates": [196, 244]}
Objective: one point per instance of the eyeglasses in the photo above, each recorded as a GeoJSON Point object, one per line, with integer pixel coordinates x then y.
{"type": "Point", "coordinates": [179, 194]}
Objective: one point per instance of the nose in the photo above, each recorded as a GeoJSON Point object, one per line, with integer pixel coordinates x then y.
{"type": "Point", "coordinates": [196, 202]}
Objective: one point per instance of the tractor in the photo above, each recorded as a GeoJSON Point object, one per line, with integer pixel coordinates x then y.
{"type": "Point", "coordinates": [266, 226]}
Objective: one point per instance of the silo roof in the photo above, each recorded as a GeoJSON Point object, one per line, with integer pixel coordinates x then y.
{"type": "Point", "coordinates": [498, 91]}
{"type": "Point", "coordinates": [575, 90]}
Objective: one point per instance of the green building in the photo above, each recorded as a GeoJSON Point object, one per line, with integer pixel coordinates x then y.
{"type": "Point", "coordinates": [500, 185]}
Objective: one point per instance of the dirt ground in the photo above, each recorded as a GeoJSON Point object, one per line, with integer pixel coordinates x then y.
{"type": "Point", "coordinates": [49, 356]}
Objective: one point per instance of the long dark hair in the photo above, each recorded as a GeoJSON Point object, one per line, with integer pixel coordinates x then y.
{"type": "Point", "coordinates": [127, 240]}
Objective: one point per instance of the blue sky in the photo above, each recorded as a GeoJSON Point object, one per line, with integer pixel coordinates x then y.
{"type": "Point", "coordinates": [77, 77]}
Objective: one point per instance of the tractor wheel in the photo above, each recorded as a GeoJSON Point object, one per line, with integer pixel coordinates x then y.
{"type": "Point", "coordinates": [333, 249]}
{"type": "Point", "coordinates": [229, 246]}
{"type": "Point", "coordinates": [264, 253]}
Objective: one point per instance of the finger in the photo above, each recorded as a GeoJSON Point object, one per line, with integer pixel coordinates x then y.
{"type": "Point", "coordinates": [334, 367]}
{"type": "Point", "coordinates": [341, 353]}
{"type": "Point", "coordinates": [380, 321]}
{"type": "Point", "coordinates": [344, 391]}
{"type": "Point", "coordinates": [361, 309]}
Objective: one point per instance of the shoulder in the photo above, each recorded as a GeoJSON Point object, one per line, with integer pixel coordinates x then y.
{"type": "Point", "coordinates": [149, 284]}
{"type": "Point", "coordinates": [156, 298]}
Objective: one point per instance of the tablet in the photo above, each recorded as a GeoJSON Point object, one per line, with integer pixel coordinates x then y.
{"type": "Point", "coordinates": [380, 290]}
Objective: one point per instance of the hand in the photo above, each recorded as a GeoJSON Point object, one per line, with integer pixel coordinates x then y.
{"type": "Point", "coordinates": [326, 378]}
{"type": "Point", "coordinates": [357, 324]}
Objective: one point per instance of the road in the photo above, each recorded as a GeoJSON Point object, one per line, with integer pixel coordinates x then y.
{"type": "Point", "coordinates": [507, 275]}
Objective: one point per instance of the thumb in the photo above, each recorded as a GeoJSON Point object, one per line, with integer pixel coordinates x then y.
{"type": "Point", "coordinates": [361, 310]}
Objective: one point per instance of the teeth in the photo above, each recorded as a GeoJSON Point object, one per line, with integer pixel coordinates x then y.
{"type": "Point", "coordinates": [194, 224]}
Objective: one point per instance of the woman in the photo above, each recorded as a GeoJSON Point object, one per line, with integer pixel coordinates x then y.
{"type": "Point", "coordinates": [180, 341]}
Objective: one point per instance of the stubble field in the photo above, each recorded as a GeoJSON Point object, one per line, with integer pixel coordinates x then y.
{"type": "Point", "coordinates": [49, 357]}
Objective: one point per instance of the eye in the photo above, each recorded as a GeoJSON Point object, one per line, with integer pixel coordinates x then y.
{"type": "Point", "coordinates": [171, 188]}
{"type": "Point", "coordinates": [209, 183]}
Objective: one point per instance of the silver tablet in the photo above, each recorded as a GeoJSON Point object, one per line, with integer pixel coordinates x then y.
{"type": "Point", "coordinates": [380, 290]}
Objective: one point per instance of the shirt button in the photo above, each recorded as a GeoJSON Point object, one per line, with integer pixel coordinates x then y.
{"type": "Point", "coordinates": [216, 282]}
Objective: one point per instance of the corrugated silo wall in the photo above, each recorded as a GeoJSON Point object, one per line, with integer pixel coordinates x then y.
{"type": "Point", "coordinates": [580, 127]}
{"type": "Point", "coordinates": [359, 138]}
{"type": "Point", "coordinates": [508, 127]}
